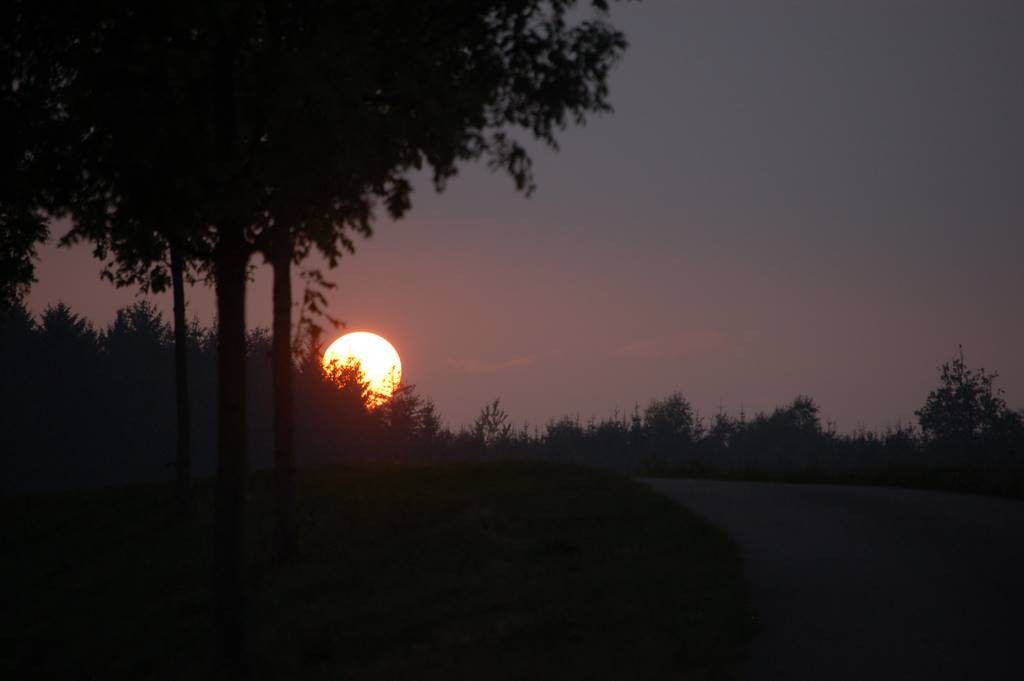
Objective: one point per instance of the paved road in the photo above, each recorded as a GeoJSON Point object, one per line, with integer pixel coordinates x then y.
{"type": "Point", "coordinates": [871, 583]}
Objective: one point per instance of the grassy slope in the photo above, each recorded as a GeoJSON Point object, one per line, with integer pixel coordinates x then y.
{"type": "Point", "coordinates": [513, 570]}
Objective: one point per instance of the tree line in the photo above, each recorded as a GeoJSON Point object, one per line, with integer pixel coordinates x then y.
{"type": "Point", "coordinates": [81, 405]}
{"type": "Point", "coordinates": [966, 438]}
{"type": "Point", "coordinates": [96, 406]}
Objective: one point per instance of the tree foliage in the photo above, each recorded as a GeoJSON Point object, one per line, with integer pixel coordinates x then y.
{"type": "Point", "coordinates": [492, 427]}
{"type": "Point", "coordinates": [32, 137]}
{"type": "Point", "coordinates": [966, 411]}
{"type": "Point", "coordinates": [672, 423]}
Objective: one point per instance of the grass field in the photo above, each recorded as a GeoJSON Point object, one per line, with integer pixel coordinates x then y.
{"type": "Point", "coordinates": [482, 571]}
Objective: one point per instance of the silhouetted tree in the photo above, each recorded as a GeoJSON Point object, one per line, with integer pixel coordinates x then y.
{"type": "Point", "coordinates": [73, 361]}
{"type": "Point", "coordinates": [151, 259]}
{"type": "Point", "coordinates": [722, 430]}
{"type": "Point", "coordinates": [70, 338]}
{"type": "Point", "coordinates": [671, 427]}
{"type": "Point", "coordinates": [20, 233]}
{"type": "Point", "coordinates": [399, 415]}
{"type": "Point", "coordinates": [563, 438]}
{"type": "Point", "coordinates": [32, 136]}
{"type": "Point", "coordinates": [137, 337]}
{"type": "Point", "coordinates": [152, 100]}
{"type": "Point", "coordinates": [18, 357]}
{"type": "Point", "coordinates": [430, 431]}
{"type": "Point", "coordinates": [610, 441]}
{"type": "Point", "coordinates": [492, 428]}
{"type": "Point", "coordinates": [790, 436]}
{"type": "Point", "coordinates": [967, 413]}
{"type": "Point", "coordinates": [226, 96]}
{"type": "Point", "coordinates": [439, 85]}
{"type": "Point", "coordinates": [137, 349]}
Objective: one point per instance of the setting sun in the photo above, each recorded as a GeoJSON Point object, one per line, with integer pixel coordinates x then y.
{"type": "Point", "coordinates": [378, 361]}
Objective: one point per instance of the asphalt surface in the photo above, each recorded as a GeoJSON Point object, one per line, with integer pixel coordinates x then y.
{"type": "Point", "coordinates": [873, 583]}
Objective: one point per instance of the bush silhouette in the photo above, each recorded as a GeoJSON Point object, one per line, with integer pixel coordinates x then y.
{"type": "Point", "coordinates": [966, 413]}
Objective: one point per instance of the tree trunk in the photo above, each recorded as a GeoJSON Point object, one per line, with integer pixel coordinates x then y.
{"type": "Point", "coordinates": [230, 273]}
{"type": "Point", "coordinates": [284, 418]}
{"type": "Point", "coordinates": [183, 452]}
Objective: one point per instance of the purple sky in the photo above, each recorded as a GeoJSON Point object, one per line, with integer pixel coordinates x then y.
{"type": "Point", "coordinates": [791, 197]}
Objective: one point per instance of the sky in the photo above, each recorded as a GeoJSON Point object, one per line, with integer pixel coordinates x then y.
{"type": "Point", "coordinates": [814, 197]}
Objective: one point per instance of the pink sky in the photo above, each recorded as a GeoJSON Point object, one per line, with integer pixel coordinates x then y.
{"type": "Point", "coordinates": [771, 210]}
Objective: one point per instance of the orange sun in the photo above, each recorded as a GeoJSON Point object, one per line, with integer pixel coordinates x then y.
{"type": "Point", "coordinates": [378, 361]}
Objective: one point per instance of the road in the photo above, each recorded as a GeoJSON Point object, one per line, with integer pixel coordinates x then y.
{"type": "Point", "coordinates": [873, 583]}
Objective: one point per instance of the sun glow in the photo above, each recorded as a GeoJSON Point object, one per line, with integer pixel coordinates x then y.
{"type": "Point", "coordinates": [378, 362]}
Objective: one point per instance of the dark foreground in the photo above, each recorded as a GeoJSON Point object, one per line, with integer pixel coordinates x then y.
{"type": "Point", "coordinates": [871, 583]}
{"type": "Point", "coordinates": [497, 571]}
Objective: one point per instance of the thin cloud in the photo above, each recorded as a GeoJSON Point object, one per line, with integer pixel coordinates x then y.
{"type": "Point", "coordinates": [483, 366]}
{"type": "Point", "coordinates": [676, 345]}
